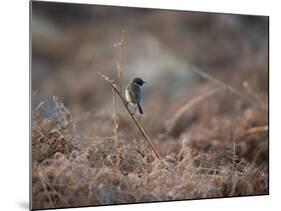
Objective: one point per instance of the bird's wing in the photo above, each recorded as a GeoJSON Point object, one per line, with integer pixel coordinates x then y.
{"type": "Point", "coordinates": [137, 94]}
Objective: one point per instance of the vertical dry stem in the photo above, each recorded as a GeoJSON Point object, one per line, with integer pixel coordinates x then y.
{"type": "Point", "coordinates": [115, 129]}
{"type": "Point", "coordinates": [234, 156]}
{"type": "Point", "coordinates": [118, 89]}
{"type": "Point", "coordinates": [119, 78]}
{"type": "Point", "coordinates": [120, 60]}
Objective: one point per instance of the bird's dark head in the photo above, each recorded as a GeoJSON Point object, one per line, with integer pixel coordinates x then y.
{"type": "Point", "coordinates": [139, 81]}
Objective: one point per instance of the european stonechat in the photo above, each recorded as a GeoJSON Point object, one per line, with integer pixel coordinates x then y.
{"type": "Point", "coordinates": [134, 93]}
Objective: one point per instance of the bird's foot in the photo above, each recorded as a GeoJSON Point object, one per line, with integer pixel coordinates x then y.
{"type": "Point", "coordinates": [134, 111]}
{"type": "Point", "coordinates": [126, 103]}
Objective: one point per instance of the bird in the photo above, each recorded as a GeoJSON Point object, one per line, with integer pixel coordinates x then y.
{"type": "Point", "coordinates": [134, 93]}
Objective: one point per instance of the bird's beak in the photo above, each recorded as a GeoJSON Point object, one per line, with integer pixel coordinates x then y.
{"type": "Point", "coordinates": [144, 82]}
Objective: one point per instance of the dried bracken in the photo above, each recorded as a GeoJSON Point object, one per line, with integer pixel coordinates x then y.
{"type": "Point", "coordinates": [48, 134]}
{"type": "Point", "coordinates": [198, 167]}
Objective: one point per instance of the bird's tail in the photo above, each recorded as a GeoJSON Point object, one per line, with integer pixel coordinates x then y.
{"type": "Point", "coordinates": [140, 109]}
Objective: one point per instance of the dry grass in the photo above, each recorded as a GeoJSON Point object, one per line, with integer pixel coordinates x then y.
{"type": "Point", "coordinates": [50, 135]}
{"type": "Point", "coordinates": [88, 176]}
{"type": "Point", "coordinates": [223, 154]}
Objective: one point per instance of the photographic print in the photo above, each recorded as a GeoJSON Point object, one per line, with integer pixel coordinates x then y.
{"type": "Point", "coordinates": [134, 105]}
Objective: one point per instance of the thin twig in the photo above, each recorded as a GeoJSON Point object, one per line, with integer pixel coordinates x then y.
{"type": "Point", "coordinates": [252, 93]}
{"type": "Point", "coordinates": [115, 130]}
{"type": "Point", "coordinates": [119, 64]}
{"type": "Point", "coordinates": [120, 60]}
{"type": "Point", "coordinates": [229, 87]}
{"type": "Point", "coordinates": [256, 130]}
{"type": "Point", "coordinates": [113, 85]}
{"type": "Point", "coordinates": [177, 116]}
{"type": "Point", "coordinates": [234, 156]}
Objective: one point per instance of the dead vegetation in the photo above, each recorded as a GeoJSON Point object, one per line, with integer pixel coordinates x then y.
{"type": "Point", "coordinates": [200, 166]}
{"type": "Point", "coordinates": [221, 155]}
{"type": "Point", "coordinates": [212, 137]}
{"type": "Point", "coordinates": [49, 134]}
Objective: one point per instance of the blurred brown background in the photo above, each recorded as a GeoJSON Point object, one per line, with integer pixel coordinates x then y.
{"type": "Point", "coordinates": [211, 130]}
{"type": "Point", "coordinates": [72, 42]}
